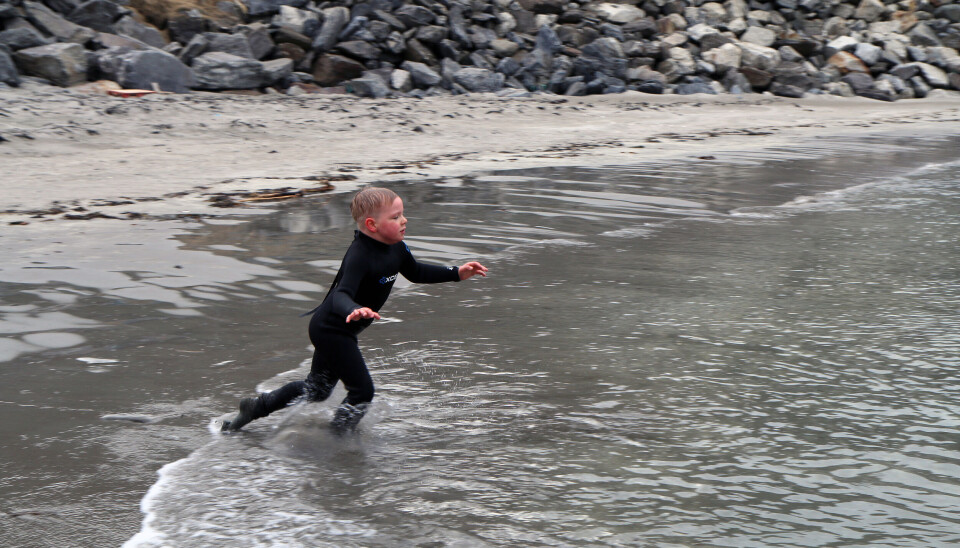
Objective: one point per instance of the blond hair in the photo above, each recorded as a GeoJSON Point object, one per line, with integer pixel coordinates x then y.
{"type": "Point", "coordinates": [369, 201]}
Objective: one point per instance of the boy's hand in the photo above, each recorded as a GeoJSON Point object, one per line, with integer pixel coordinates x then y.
{"type": "Point", "coordinates": [362, 313]}
{"type": "Point", "coordinates": [471, 269]}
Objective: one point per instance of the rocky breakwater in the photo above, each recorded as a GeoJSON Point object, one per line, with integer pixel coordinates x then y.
{"type": "Point", "coordinates": [883, 49]}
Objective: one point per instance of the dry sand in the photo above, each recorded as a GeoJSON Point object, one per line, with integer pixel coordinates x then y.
{"type": "Point", "coordinates": [166, 154]}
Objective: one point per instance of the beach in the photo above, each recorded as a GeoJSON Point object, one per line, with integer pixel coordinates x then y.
{"type": "Point", "coordinates": [169, 154]}
{"type": "Point", "coordinates": [694, 302]}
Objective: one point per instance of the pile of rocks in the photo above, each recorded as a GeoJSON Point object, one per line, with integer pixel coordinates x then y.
{"type": "Point", "coordinates": [884, 49]}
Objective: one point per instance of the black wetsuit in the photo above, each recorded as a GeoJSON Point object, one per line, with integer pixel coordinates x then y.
{"type": "Point", "coordinates": [366, 276]}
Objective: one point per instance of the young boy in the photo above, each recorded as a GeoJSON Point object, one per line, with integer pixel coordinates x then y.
{"type": "Point", "coordinates": [360, 288]}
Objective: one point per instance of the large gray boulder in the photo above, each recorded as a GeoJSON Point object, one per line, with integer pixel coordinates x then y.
{"type": "Point", "coordinates": [62, 64]}
{"type": "Point", "coordinates": [334, 19]}
{"type": "Point", "coordinates": [369, 86]}
{"type": "Point", "coordinates": [128, 26]}
{"type": "Point", "coordinates": [8, 71]}
{"type": "Point", "coordinates": [145, 68]}
{"type": "Point", "coordinates": [479, 80]}
{"type": "Point", "coordinates": [217, 70]}
{"type": "Point", "coordinates": [276, 71]}
{"type": "Point", "coordinates": [422, 75]}
{"type": "Point", "coordinates": [234, 44]}
{"type": "Point", "coordinates": [22, 38]}
{"type": "Point", "coordinates": [97, 14]}
{"type": "Point", "coordinates": [51, 23]}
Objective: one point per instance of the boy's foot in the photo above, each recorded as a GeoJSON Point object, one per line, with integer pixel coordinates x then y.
{"type": "Point", "coordinates": [346, 417]}
{"type": "Point", "coordinates": [248, 412]}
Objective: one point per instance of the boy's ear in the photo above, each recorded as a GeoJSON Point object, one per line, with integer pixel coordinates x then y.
{"type": "Point", "coordinates": [370, 224]}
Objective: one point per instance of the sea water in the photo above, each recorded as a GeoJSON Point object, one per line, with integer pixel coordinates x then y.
{"type": "Point", "coordinates": [741, 350]}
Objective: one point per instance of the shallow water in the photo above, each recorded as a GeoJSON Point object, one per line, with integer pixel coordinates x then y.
{"type": "Point", "coordinates": [727, 352]}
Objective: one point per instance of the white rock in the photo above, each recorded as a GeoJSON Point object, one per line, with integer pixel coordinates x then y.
{"type": "Point", "coordinates": [700, 30]}
{"type": "Point", "coordinates": [619, 13]}
{"type": "Point", "coordinates": [868, 53]}
{"type": "Point", "coordinates": [842, 43]}
{"type": "Point", "coordinates": [760, 57]}
{"type": "Point", "coordinates": [725, 57]}
{"type": "Point", "coordinates": [869, 10]}
{"type": "Point", "coordinates": [759, 36]}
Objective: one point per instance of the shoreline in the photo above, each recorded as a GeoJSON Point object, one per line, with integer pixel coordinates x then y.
{"type": "Point", "coordinates": [80, 156]}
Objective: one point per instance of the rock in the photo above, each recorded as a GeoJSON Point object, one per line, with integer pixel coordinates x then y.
{"type": "Point", "coordinates": [618, 13]}
{"type": "Point", "coordinates": [724, 58]}
{"type": "Point", "coordinates": [786, 90]}
{"type": "Point", "coordinates": [651, 86]}
{"type": "Point", "coordinates": [690, 89]}
{"type": "Point", "coordinates": [759, 36]}
{"type": "Point", "coordinates": [954, 80]}
{"type": "Point", "coordinates": [934, 76]}
{"type": "Point", "coordinates": [401, 80]}
{"type": "Point", "coordinates": [105, 40]}
{"type": "Point", "coordinates": [334, 20]}
{"type": "Point", "coordinates": [759, 79]}
{"type": "Point", "coordinates": [358, 49]}
{"type": "Point", "coordinates": [300, 21]}
{"type": "Point", "coordinates": [548, 41]}
{"type": "Point", "coordinates": [544, 6]}
{"type": "Point", "coordinates": [478, 80]}
{"type": "Point", "coordinates": [368, 86]}
{"type": "Point", "coordinates": [194, 48]}
{"type": "Point", "coordinates": [922, 35]}
{"type": "Point", "coordinates": [62, 64]}
{"type": "Point", "coordinates": [858, 81]}
{"type": "Point", "coordinates": [839, 88]}
{"type": "Point", "coordinates": [258, 40]}
{"type": "Point", "coordinates": [22, 38]}
{"type": "Point", "coordinates": [679, 63]}
{"type": "Point", "coordinates": [8, 71]}
{"type": "Point", "coordinates": [879, 95]}
{"type": "Point", "coordinates": [217, 70]}
{"type": "Point", "coordinates": [950, 12]}
{"type": "Point", "coordinates": [330, 70]}
{"type": "Point", "coordinates": [869, 10]}
{"type": "Point", "coordinates": [759, 57]}
{"type": "Point", "coordinates": [508, 67]}
{"type": "Point", "coordinates": [422, 75]}
{"type": "Point", "coordinates": [504, 48]}
{"type": "Point", "coordinates": [842, 43]}
{"type": "Point", "coordinates": [714, 40]}
{"type": "Point", "coordinates": [234, 44]}
{"type": "Point", "coordinates": [284, 35]}
{"type": "Point", "coordinates": [389, 19]}
{"type": "Point", "coordinates": [142, 69]}
{"type": "Point", "coordinates": [276, 71]}
{"type": "Point", "coordinates": [185, 25]}
{"type": "Point", "coordinates": [868, 53]}
{"type": "Point", "coordinates": [431, 34]}
{"type": "Point", "coordinates": [97, 14]}
{"type": "Point", "coordinates": [414, 16]}
{"type": "Point", "coordinates": [458, 27]}
{"type": "Point", "coordinates": [262, 8]}
{"type": "Point", "coordinates": [945, 58]}
{"type": "Point", "coordinates": [419, 53]}
{"type": "Point", "coordinates": [128, 26]}
{"type": "Point", "coordinates": [789, 54]}
{"type": "Point", "coordinates": [905, 71]}
{"type": "Point", "coordinates": [49, 22]}
{"type": "Point", "coordinates": [847, 62]}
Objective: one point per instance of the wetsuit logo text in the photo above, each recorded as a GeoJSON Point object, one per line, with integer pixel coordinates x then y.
{"type": "Point", "coordinates": [388, 279]}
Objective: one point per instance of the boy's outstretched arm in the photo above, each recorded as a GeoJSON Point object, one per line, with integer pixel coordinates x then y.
{"type": "Point", "coordinates": [471, 269]}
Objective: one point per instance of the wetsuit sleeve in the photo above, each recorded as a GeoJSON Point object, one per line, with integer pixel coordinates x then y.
{"type": "Point", "coordinates": [352, 272]}
{"type": "Point", "coordinates": [424, 273]}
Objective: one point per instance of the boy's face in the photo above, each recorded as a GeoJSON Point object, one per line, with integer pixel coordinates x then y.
{"type": "Point", "coordinates": [389, 224]}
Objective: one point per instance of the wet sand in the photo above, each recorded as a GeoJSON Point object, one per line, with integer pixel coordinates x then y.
{"type": "Point", "coordinates": [168, 154]}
